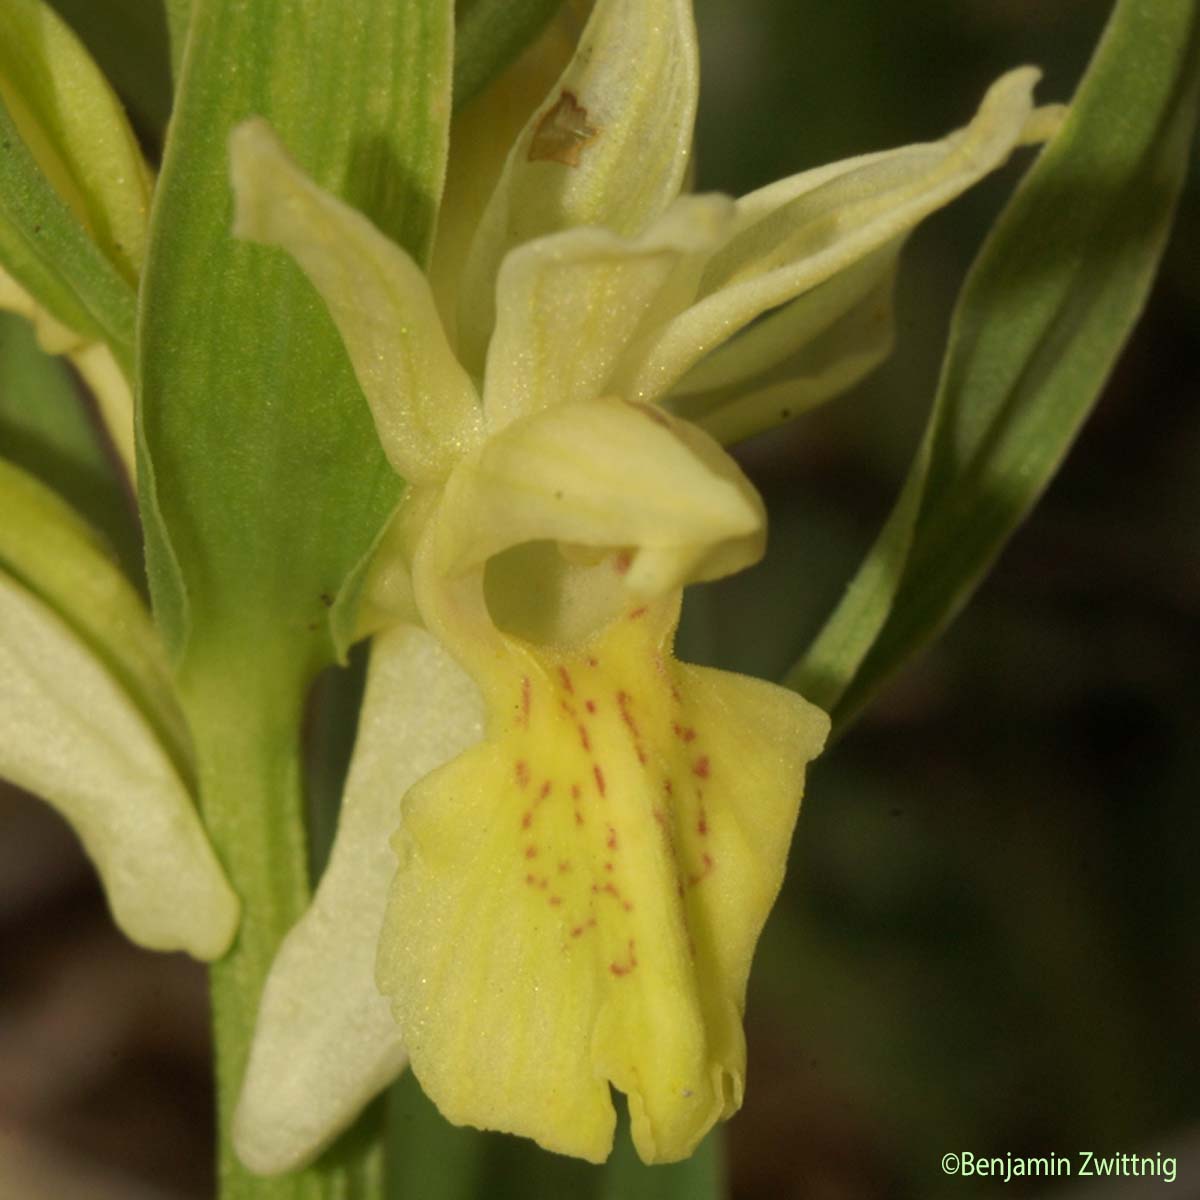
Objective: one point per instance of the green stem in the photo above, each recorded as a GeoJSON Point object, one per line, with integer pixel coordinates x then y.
{"type": "Point", "coordinates": [246, 723]}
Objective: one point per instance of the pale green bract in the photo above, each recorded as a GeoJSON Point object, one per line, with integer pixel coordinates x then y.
{"type": "Point", "coordinates": [593, 833]}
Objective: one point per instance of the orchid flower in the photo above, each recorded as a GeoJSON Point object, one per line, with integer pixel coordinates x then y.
{"type": "Point", "coordinates": [558, 844]}
{"type": "Point", "coordinates": [90, 718]}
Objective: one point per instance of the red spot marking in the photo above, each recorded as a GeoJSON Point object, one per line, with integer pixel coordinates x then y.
{"type": "Point", "coordinates": [543, 883]}
{"type": "Point", "coordinates": [684, 732]}
{"type": "Point", "coordinates": [526, 700]}
{"type": "Point", "coordinates": [568, 708]}
{"type": "Point", "coordinates": [660, 817]}
{"type": "Point", "coordinates": [679, 890]}
{"type": "Point", "coordinates": [702, 824]}
{"type": "Point", "coordinates": [668, 787]}
{"type": "Point", "coordinates": [641, 755]}
{"type": "Point", "coordinates": [555, 901]}
{"type": "Point", "coordinates": [546, 788]}
{"type": "Point", "coordinates": [608, 866]}
{"type": "Point", "coordinates": [700, 768]}
{"type": "Point", "coordinates": [527, 820]}
{"type": "Point", "coordinates": [565, 676]}
{"type": "Point", "coordinates": [531, 852]}
{"type": "Point", "coordinates": [590, 706]}
{"type": "Point", "coordinates": [574, 791]}
{"type": "Point", "coordinates": [599, 774]}
{"type": "Point", "coordinates": [522, 772]}
{"type": "Point", "coordinates": [563, 867]}
{"type": "Point", "coordinates": [628, 965]}
{"type": "Point", "coordinates": [578, 817]}
{"type": "Point", "coordinates": [640, 611]}
{"type": "Point", "coordinates": [707, 861]}
{"type": "Point", "coordinates": [585, 741]}
{"type": "Point", "coordinates": [674, 690]}
{"type": "Point", "coordinates": [626, 715]}
{"type": "Point", "coordinates": [622, 562]}
{"type": "Point", "coordinates": [577, 931]}
{"type": "Point", "coordinates": [593, 662]}
{"type": "Point", "coordinates": [612, 838]}
{"type": "Point", "coordinates": [626, 906]}
{"type": "Point", "coordinates": [531, 880]}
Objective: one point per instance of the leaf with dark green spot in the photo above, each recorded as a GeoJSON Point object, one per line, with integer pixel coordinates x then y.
{"type": "Point", "coordinates": [1041, 320]}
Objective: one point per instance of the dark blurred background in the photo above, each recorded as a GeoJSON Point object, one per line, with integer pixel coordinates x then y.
{"type": "Point", "coordinates": [988, 937]}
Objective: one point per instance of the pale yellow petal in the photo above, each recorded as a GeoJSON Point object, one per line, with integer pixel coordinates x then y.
{"type": "Point", "coordinates": [797, 234]}
{"type": "Point", "coordinates": [570, 304]}
{"type": "Point", "coordinates": [608, 147]}
{"type": "Point", "coordinates": [579, 896]}
{"type": "Point", "coordinates": [829, 362]}
{"type": "Point", "coordinates": [325, 1041]}
{"type": "Point", "coordinates": [72, 736]}
{"type": "Point", "coordinates": [607, 474]}
{"type": "Point", "coordinates": [425, 407]}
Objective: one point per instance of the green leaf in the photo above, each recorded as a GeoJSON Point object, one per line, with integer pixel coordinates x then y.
{"type": "Point", "coordinates": [46, 429]}
{"type": "Point", "coordinates": [264, 466]}
{"type": "Point", "coordinates": [44, 247]}
{"type": "Point", "coordinates": [1042, 317]}
{"type": "Point", "coordinates": [179, 17]}
{"type": "Point", "coordinates": [490, 35]}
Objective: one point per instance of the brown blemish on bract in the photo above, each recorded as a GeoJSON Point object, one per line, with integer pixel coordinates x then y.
{"type": "Point", "coordinates": [562, 133]}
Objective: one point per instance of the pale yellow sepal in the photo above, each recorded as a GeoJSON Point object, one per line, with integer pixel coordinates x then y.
{"type": "Point", "coordinates": [425, 407]}
{"type": "Point", "coordinates": [325, 1040]}
{"type": "Point", "coordinates": [797, 234]}
{"type": "Point", "coordinates": [579, 896]}
{"type": "Point", "coordinates": [841, 339]}
{"type": "Point", "coordinates": [607, 474]}
{"type": "Point", "coordinates": [608, 147]}
{"type": "Point", "coordinates": [73, 737]}
{"type": "Point", "coordinates": [75, 128]}
{"type": "Point", "coordinates": [569, 305]}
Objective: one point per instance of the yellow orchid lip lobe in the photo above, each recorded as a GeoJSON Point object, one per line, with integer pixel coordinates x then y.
{"type": "Point", "coordinates": [580, 894]}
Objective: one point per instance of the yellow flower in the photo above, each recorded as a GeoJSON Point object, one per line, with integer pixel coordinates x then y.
{"type": "Point", "coordinates": [589, 834]}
